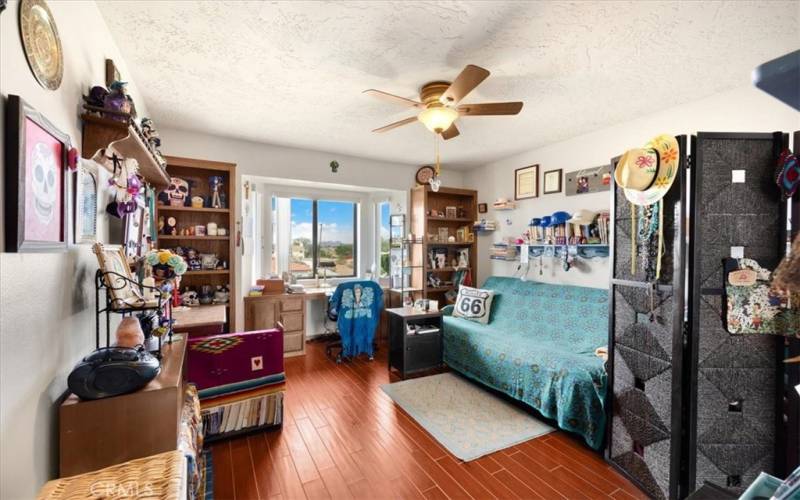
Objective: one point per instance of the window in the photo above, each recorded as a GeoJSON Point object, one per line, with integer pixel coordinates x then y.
{"type": "Point", "coordinates": [383, 239]}
{"type": "Point", "coordinates": [314, 237]}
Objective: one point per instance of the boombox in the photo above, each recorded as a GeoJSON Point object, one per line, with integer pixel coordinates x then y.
{"type": "Point", "coordinates": [112, 371]}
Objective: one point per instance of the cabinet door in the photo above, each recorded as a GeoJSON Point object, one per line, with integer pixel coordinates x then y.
{"type": "Point", "coordinates": [260, 314]}
{"type": "Point", "coordinates": [292, 321]}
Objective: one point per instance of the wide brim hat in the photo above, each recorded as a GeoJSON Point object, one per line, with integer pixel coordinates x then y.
{"type": "Point", "coordinates": [583, 217]}
{"type": "Point", "coordinates": [666, 146]}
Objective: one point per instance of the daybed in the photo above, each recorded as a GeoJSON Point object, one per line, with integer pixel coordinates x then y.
{"type": "Point", "coordinates": [539, 347]}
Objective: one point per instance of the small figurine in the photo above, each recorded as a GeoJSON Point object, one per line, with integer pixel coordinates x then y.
{"type": "Point", "coordinates": [221, 295]}
{"type": "Point", "coordinates": [119, 100]}
{"type": "Point", "coordinates": [215, 182]}
{"type": "Point", "coordinates": [206, 295]}
{"type": "Point", "coordinates": [189, 298]}
{"type": "Point", "coordinates": [170, 227]}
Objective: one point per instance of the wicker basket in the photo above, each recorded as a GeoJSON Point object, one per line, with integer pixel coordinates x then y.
{"type": "Point", "coordinates": [160, 476]}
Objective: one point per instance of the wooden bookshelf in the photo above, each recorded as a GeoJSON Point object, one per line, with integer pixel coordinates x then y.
{"type": "Point", "coordinates": [197, 172]}
{"type": "Point", "coordinates": [422, 224]}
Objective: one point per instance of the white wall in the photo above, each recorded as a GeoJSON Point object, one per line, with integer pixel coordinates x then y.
{"type": "Point", "coordinates": [266, 160]}
{"type": "Point", "coordinates": [46, 300]}
{"type": "Point", "coordinates": [742, 110]}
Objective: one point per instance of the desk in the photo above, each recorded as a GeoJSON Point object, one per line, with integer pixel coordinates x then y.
{"type": "Point", "coordinates": [201, 320]}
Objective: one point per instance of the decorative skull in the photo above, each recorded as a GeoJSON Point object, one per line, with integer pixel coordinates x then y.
{"type": "Point", "coordinates": [189, 298]}
{"type": "Point", "coordinates": [43, 182]}
{"type": "Point", "coordinates": [177, 192]}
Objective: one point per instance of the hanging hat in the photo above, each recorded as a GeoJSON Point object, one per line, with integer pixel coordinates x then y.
{"type": "Point", "coordinates": [583, 217]}
{"type": "Point", "coordinates": [535, 222]}
{"type": "Point", "coordinates": [647, 173]}
{"type": "Point", "coordinates": [788, 174]}
{"type": "Point", "coordinates": [545, 221]}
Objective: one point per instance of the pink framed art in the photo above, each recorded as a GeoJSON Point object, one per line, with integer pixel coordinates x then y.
{"type": "Point", "coordinates": [36, 181]}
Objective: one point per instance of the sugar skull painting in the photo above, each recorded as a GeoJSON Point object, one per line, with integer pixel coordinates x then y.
{"type": "Point", "coordinates": [36, 213]}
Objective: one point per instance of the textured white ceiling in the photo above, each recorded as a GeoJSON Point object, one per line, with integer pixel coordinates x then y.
{"type": "Point", "coordinates": [292, 73]}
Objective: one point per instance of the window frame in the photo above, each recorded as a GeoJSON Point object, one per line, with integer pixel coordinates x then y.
{"type": "Point", "coordinates": [315, 199]}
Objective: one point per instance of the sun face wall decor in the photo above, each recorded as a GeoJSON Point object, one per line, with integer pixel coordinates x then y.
{"type": "Point", "coordinates": [41, 43]}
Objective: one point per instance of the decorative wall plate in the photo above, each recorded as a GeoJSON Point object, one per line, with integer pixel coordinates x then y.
{"type": "Point", "coordinates": [41, 42]}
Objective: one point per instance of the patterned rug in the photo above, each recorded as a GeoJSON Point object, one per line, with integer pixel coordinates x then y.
{"type": "Point", "coordinates": [466, 419]}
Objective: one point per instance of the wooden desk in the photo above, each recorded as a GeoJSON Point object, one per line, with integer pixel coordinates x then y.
{"type": "Point", "coordinates": [201, 320]}
{"type": "Point", "coordinates": [104, 432]}
{"type": "Point", "coordinates": [262, 312]}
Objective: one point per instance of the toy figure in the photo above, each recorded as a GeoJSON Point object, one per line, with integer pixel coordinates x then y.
{"type": "Point", "coordinates": [215, 182]}
{"type": "Point", "coordinates": [170, 227]}
{"type": "Point", "coordinates": [221, 295]}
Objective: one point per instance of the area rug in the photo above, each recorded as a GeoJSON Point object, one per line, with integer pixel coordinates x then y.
{"type": "Point", "coordinates": [466, 419]}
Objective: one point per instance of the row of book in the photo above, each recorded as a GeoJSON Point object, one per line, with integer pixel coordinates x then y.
{"type": "Point", "coordinates": [259, 411]}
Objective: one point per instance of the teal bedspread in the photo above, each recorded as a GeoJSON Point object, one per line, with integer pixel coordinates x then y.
{"type": "Point", "coordinates": [539, 348]}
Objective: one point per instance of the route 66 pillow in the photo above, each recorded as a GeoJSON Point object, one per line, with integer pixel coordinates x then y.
{"type": "Point", "coordinates": [473, 304]}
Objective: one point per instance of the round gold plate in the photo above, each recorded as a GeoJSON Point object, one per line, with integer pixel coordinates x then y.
{"type": "Point", "coordinates": [41, 42]}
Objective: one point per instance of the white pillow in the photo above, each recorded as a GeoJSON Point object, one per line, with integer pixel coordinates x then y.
{"type": "Point", "coordinates": [473, 304]}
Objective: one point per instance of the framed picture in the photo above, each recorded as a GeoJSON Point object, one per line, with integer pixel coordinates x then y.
{"type": "Point", "coordinates": [451, 212]}
{"type": "Point", "coordinates": [483, 208]}
{"type": "Point", "coordinates": [117, 275]}
{"type": "Point", "coordinates": [86, 189]}
{"type": "Point", "coordinates": [36, 181]}
{"type": "Point", "coordinates": [551, 181]}
{"type": "Point", "coordinates": [526, 182]}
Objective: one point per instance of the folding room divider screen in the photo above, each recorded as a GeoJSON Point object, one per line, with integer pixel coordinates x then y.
{"type": "Point", "coordinates": [691, 402]}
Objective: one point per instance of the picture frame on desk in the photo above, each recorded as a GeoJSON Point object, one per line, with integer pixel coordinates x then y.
{"type": "Point", "coordinates": [117, 275]}
{"type": "Point", "coordinates": [36, 181]}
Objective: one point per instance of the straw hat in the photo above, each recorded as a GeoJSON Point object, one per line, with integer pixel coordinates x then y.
{"type": "Point", "coordinates": [583, 217]}
{"type": "Point", "coordinates": [647, 173]}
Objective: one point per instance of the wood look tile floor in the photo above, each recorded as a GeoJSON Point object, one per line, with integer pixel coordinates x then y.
{"type": "Point", "coordinates": [343, 437]}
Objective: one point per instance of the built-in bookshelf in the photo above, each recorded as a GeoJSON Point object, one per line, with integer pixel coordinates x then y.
{"type": "Point", "coordinates": [437, 218]}
{"type": "Point", "coordinates": [198, 173]}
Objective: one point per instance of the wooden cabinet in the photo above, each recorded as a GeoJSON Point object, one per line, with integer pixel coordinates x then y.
{"type": "Point", "coordinates": [97, 434]}
{"type": "Point", "coordinates": [263, 312]}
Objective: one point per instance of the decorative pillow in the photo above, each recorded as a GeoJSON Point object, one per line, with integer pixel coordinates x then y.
{"type": "Point", "coordinates": [473, 304]}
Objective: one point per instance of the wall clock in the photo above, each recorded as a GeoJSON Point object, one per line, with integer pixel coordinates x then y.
{"type": "Point", "coordinates": [41, 43]}
{"type": "Point", "coordinates": [425, 174]}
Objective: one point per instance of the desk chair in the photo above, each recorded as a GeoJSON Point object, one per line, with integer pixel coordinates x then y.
{"type": "Point", "coordinates": [356, 308]}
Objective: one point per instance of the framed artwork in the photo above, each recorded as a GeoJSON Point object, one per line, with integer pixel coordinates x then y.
{"type": "Point", "coordinates": [36, 181]}
{"type": "Point", "coordinates": [86, 189]}
{"type": "Point", "coordinates": [117, 275]}
{"type": "Point", "coordinates": [483, 208]}
{"type": "Point", "coordinates": [588, 180]}
{"type": "Point", "coordinates": [526, 182]}
{"type": "Point", "coordinates": [551, 181]}
{"type": "Point", "coordinates": [451, 212]}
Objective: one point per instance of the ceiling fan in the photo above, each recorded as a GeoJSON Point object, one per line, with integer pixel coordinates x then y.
{"type": "Point", "coordinates": [439, 103]}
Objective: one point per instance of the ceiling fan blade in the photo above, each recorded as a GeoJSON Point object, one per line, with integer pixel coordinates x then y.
{"type": "Point", "coordinates": [490, 108]}
{"type": "Point", "coordinates": [394, 98]}
{"type": "Point", "coordinates": [465, 82]}
{"type": "Point", "coordinates": [450, 132]}
{"type": "Point", "coordinates": [396, 124]}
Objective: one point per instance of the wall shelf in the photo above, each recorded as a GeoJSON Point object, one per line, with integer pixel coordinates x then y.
{"type": "Point", "coordinates": [123, 138]}
{"type": "Point", "coordinates": [179, 237]}
{"type": "Point", "coordinates": [168, 208]}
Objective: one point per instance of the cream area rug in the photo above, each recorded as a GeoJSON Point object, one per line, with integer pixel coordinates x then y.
{"type": "Point", "coordinates": [465, 418]}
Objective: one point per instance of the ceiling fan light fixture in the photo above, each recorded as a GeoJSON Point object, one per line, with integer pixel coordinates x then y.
{"type": "Point", "coordinates": [438, 119]}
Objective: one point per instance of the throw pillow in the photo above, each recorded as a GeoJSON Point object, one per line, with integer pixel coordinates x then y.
{"type": "Point", "coordinates": [473, 304]}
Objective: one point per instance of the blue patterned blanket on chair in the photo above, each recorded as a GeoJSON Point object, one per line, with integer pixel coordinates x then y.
{"type": "Point", "coordinates": [539, 348]}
